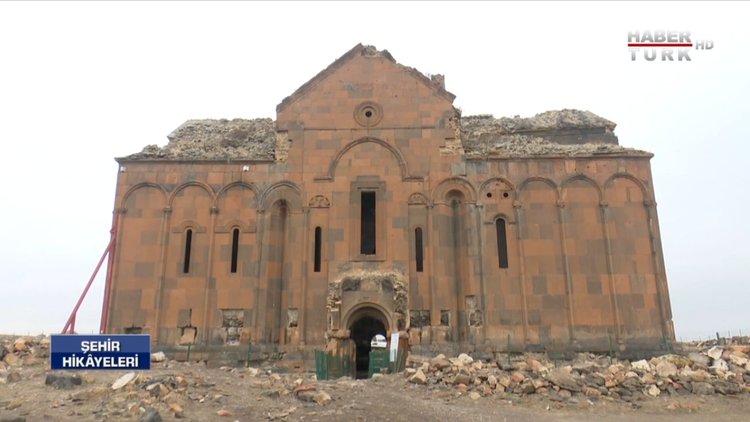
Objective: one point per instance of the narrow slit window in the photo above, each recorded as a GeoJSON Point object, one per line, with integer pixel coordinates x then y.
{"type": "Point", "coordinates": [318, 245]}
{"type": "Point", "coordinates": [235, 248]}
{"type": "Point", "coordinates": [188, 247]}
{"type": "Point", "coordinates": [367, 224]}
{"type": "Point", "coordinates": [419, 246]}
{"type": "Point", "coordinates": [502, 243]}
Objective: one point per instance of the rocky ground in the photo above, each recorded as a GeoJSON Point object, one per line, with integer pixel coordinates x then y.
{"type": "Point", "coordinates": [703, 382]}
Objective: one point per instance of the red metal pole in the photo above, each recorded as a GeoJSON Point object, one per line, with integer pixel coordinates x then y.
{"type": "Point", "coordinates": [108, 279]}
{"type": "Point", "coordinates": [70, 324]}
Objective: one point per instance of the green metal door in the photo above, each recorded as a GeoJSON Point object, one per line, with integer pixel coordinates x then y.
{"type": "Point", "coordinates": [321, 365]}
{"type": "Point", "coordinates": [378, 360]}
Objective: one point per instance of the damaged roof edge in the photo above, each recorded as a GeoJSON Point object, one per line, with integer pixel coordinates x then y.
{"type": "Point", "coordinates": [216, 140]}
{"type": "Point", "coordinates": [626, 153]}
{"type": "Point", "coordinates": [567, 132]}
{"type": "Point", "coordinates": [564, 133]}
{"type": "Point", "coordinates": [321, 75]}
{"type": "Point", "coordinates": [360, 50]}
{"type": "Point", "coordinates": [131, 159]}
{"type": "Point", "coordinates": [545, 121]}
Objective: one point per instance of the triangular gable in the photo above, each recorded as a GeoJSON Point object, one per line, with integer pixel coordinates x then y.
{"type": "Point", "coordinates": [360, 50]}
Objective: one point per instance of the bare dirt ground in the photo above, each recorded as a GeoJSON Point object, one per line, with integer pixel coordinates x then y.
{"type": "Point", "coordinates": [700, 382]}
{"type": "Point", "coordinates": [193, 392]}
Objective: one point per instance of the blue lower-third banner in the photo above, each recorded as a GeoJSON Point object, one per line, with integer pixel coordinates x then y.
{"type": "Point", "coordinates": [127, 351]}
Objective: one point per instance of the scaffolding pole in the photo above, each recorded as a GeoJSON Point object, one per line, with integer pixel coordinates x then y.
{"type": "Point", "coordinates": [70, 325]}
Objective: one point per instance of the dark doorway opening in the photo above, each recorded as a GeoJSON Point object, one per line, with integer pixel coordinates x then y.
{"type": "Point", "coordinates": [362, 332]}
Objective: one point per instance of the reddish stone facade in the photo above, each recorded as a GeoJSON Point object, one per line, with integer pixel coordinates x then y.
{"type": "Point", "coordinates": [371, 205]}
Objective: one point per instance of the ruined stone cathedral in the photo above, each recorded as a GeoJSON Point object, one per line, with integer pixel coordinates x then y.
{"type": "Point", "coordinates": [370, 205]}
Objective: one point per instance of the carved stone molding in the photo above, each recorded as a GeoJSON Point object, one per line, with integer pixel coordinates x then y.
{"type": "Point", "coordinates": [245, 226]}
{"type": "Point", "coordinates": [417, 198]}
{"type": "Point", "coordinates": [193, 225]}
{"type": "Point", "coordinates": [319, 201]}
{"type": "Point", "coordinates": [368, 114]}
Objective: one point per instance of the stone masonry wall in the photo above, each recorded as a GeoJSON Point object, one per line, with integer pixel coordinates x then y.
{"type": "Point", "coordinates": [584, 263]}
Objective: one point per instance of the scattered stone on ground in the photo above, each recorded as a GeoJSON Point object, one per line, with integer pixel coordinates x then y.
{"type": "Point", "coordinates": [158, 357]}
{"type": "Point", "coordinates": [710, 370]}
{"type": "Point", "coordinates": [150, 415]}
{"type": "Point", "coordinates": [62, 380]}
{"type": "Point", "coordinates": [693, 379]}
{"type": "Point", "coordinates": [123, 380]}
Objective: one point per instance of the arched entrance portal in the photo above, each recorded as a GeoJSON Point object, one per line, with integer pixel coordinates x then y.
{"type": "Point", "coordinates": [365, 323]}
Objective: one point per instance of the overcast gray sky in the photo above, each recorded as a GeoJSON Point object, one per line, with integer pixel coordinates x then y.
{"type": "Point", "coordinates": [81, 83]}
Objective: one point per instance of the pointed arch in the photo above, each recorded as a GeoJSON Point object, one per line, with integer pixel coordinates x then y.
{"type": "Point", "coordinates": [197, 184]}
{"type": "Point", "coordinates": [236, 205]}
{"type": "Point", "coordinates": [439, 194]}
{"type": "Point", "coordinates": [636, 283]}
{"type": "Point", "coordinates": [592, 311]}
{"type": "Point", "coordinates": [583, 178]}
{"type": "Point", "coordinates": [403, 166]}
{"type": "Point", "coordinates": [143, 185]}
{"type": "Point", "coordinates": [485, 186]}
{"type": "Point", "coordinates": [522, 185]}
{"type": "Point", "coordinates": [623, 175]}
{"type": "Point", "coordinates": [245, 185]}
{"type": "Point", "coordinates": [371, 309]}
{"type": "Point", "coordinates": [286, 190]}
{"type": "Point", "coordinates": [544, 278]}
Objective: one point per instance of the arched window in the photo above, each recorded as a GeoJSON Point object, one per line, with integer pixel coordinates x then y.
{"type": "Point", "coordinates": [188, 247]}
{"type": "Point", "coordinates": [235, 248]}
{"type": "Point", "coordinates": [318, 245]}
{"type": "Point", "coordinates": [502, 243]}
{"type": "Point", "coordinates": [419, 249]}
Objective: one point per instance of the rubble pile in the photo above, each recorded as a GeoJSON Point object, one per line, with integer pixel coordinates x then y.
{"type": "Point", "coordinates": [482, 136]}
{"type": "Point", "coordinates": [23, 351]}
{"type": "Point", "coordinates": [170, 394]}
{"type": "Point", "coordinates": [546, 121]}
{"type": "Point", "coordinates": [193, 391]}
{"type": "Point", "coordinates": [170, 390]}
{"type": "Point", "coordinates": [223, 139]}
{"type": "Point", "coordinates": [150, 397]}
{"type": "Point", "coordinates": [520, 145]}
{"type": "Point", "coordinates": [717, 370]}
{"type": "Point", "coordinates": [487, 136]}
{"type": "Point", "coordinates": [718, 341]}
